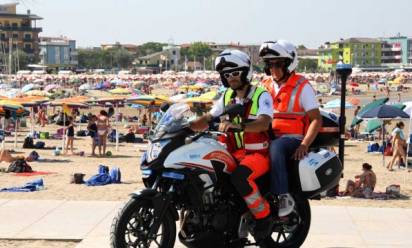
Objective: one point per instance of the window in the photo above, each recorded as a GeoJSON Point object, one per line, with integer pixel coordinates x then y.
{"type": "Point", "coordinates": [14, 25]}
{"type": "Point", "coordinates": [27, 36]}
{"type": "Point", "coordinates": [3, 36]}
{"type": "Point", "coordinates": [27, 46]}
{"type": "Point", "coordinates": [174, 52]}
{"type": "Point", "coordinates": [15, 36]}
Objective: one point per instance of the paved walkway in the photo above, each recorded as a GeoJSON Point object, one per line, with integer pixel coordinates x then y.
{"type": "Point", "coordinates": [90, 221]}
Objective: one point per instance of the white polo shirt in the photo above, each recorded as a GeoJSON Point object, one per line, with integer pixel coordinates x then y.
{"type": "Point", "coordinates": [307, 98]}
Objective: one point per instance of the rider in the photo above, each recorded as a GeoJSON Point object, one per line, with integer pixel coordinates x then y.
{"type": "Point", "coordinates": [251, 145]}
{"type": "Point", "coordinates": [296, 116]}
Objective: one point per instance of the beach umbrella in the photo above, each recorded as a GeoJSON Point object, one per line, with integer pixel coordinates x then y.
{"type": "Point", "coordinates": [137, 106]}
{"type": "Point", "coordinates": [85, 87]}
{"type": "Point", "coordinates": [408, 108]}
{"type": "Point", "coordinates": [384, 112]}
{"type": "Point", "coordinates": [51, 87]}
{"type": "Point", "coordinates": [149, 100]}
{"type": "Point", "coordinates": [15, 110]}
{"type": "Point", "coordinates": [27, 87]}
{"type": "Point", "coordinates": [354, 101]}
{"type": "Point", "coordinates": [372, 125]}
{"type": "Point", "coordinates": [353, 84]}
{"type": "Point", "coordinates": [356, 120]}
{"type": "Point", "coordinates": [336, 104]}
{"type": "Point", "coordinates": [120, 91]}
{"type": "Point", "coordinates": [36, 93]}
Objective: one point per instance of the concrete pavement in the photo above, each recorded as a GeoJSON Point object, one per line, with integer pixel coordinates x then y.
{"type": "Point", "coordinates": [89, 222]}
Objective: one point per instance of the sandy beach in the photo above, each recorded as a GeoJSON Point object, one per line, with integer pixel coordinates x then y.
{"type": "Point", "coordinates": [127, 158]}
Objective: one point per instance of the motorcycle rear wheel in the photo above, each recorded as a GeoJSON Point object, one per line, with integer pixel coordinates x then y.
{"type": "Point", "coordinates": [131, 225]}
{"type": "Point", "coordinates": [293, 234]}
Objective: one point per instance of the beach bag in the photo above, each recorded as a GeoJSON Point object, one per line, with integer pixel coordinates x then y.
{"type": "Point", "coordinates": [388, 150]}
{"type": "Point", "coordinates": [28, 142]}
{"type": "Point", "coordinates": [33, 156]}
{"type": "Point", "coordinates": [81, 133]}
{"type": "Point", "coordinates": [130, 138]}
{"type": "Point", "coordinates": [77, 178]}
{"type": "Point", "coordinates": [99, 180]}
{"type": "Point", "coordinates": [39, 145]}
{"type": "Point", "coordinates": [103, 169]}
{"type": "Point", "coordinates": [115, 175]}
{"type": "Point", "coordinates": [19, 166]}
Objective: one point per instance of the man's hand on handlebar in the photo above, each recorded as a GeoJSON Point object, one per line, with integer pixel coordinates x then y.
{"type": "Point", "coordinates": [226, 125]}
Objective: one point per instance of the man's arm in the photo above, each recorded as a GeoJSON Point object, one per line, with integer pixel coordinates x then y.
{"type": "Point", "coordinates": [261, 124]}
{"type": "Point", "coordinates": [201, 123]}
{"type": "Point", "coordinates": [315, 124]}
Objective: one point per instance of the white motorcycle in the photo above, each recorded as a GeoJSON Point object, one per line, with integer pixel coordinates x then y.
{"type": "Point", "coordinates": [187, 179]}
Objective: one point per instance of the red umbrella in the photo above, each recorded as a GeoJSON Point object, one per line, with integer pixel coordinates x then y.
{"type": "Point", "coordinates": [354, 84]}
{"type": "Point", "coordinates": [354, 101]}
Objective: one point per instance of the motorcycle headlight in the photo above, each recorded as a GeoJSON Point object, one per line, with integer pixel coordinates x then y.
{"type": "Point", "coordinates": [155, 149]}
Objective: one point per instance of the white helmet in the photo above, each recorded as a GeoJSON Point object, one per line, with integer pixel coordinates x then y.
{"type": "Point", "coordinates": [234, 60]}
{"type": "Point", "coordinates": [280, 49]}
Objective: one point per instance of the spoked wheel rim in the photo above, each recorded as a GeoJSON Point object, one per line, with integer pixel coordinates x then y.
{"type": "Point", "coordinates": [138, 227]}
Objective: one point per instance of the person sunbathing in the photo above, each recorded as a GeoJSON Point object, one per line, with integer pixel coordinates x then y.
{"type": "Point", "coordinates": [364, 183]}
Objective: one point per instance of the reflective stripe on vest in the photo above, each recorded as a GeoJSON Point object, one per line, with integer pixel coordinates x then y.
{"type": "Point", "coordinates": [289, 118]}
{"type": "Point", "coordinates": [254, 95]}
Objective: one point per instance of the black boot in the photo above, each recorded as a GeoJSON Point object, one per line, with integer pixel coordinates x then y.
{"type": "Point", "coordinates": [263, 228]}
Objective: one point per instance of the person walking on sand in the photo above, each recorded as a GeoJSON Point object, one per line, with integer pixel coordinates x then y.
{"type": "Point", "coordinates": [398, 142]}
{"type": "Point", "coordinates": [70, 136]}
{"type": "Point", "coordinates": [103, 125]}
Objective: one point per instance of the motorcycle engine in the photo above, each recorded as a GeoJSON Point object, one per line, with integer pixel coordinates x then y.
{"type": "Point", "coordinates": [219, 222]}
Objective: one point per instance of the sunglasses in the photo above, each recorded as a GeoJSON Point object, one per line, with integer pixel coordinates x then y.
{"type": "Point", "coordinates": [275, 64]}
{"type": "Point", "coordinates": [232, 74]}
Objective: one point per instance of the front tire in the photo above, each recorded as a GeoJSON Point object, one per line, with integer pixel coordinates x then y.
{"type": "Point", "coordinates": [293, 233]}
{"type": "Point", "coordinates": [131, 225]}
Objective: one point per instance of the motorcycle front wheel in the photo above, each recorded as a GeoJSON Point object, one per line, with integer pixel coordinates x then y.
{"type": "Point", "coordinates": [131, 226]}
{"type": "Point", "coordinates": [292, 232]}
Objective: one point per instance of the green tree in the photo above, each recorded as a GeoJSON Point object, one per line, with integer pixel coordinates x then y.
{"type": "Point", "coordinates": [199, 49]}
{"type": "Point", "coordinates": [149, 48]}
{"type": "Point", "coordinates": [20, 59]}
{"type": "Point", "coordinates": [122, 58]}
{"type": "Point", "coordinates": [307, 65]}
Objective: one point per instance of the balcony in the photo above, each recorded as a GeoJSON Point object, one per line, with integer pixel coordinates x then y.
{"type": "Point", "coordinates": [391, 49]}
{"type": "Point", "coordinates": [21, 28]}
{"type": "Point", "coordinates": [391, 57]}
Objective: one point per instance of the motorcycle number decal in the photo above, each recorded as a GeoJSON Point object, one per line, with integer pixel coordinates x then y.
{"type": "Point", "coordinates": [223, 157]}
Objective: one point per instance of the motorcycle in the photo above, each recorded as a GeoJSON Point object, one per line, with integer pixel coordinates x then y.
{"type": "Point", "coordinates": [187, 179]}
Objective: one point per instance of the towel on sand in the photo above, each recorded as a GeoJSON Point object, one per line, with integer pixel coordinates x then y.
{"type": "Point", "coordinates": [28, 187]}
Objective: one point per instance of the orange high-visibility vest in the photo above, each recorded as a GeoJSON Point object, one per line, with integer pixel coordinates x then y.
{"type": "Point", "coordinates": [289, 118]}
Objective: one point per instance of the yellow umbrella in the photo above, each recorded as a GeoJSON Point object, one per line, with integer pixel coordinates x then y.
{"type": "Point", "coordinates": [37, 93]}
{"type": "Point", "coordinates": [120, 91]}
{"type": "Point", "coordinates": [149, 100]}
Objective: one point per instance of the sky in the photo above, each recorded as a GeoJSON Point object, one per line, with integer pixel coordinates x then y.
{"type": "Point", "coordinates": [308, 22]}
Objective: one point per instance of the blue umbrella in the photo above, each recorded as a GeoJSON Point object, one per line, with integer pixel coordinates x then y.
{"type": "Point", "coordinates": [384, 112]}
{"type": "Point", "coordinates": [336, 104]}
{"type": "Point", "coordinates": [137, 106]}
